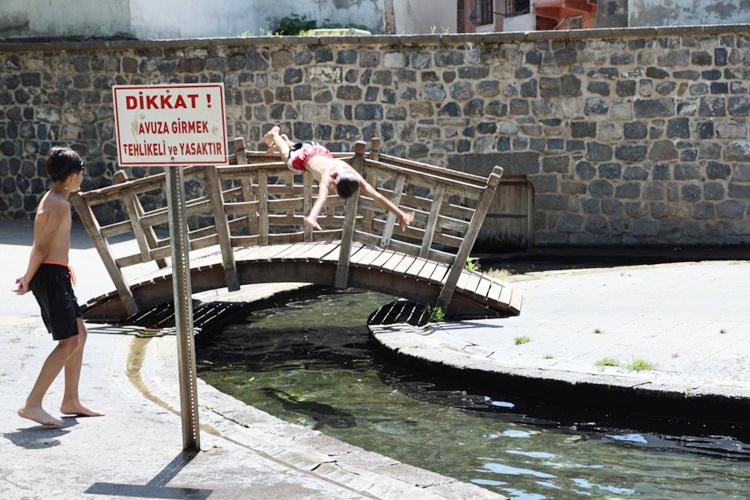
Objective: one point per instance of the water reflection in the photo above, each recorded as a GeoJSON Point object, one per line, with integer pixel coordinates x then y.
{"type": "Point", "coordinates": [310, 361]}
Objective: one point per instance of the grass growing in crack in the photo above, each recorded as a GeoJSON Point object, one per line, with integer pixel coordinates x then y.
{"type": "Point", "coordinates": [607, 362]}
{"type": "Point", "coordinates": [472, 264]}
{"type": "Point", "coordinates": [641, 365]}
{"type": "Point", "coordinates": [437, 314]}
{"type": "Point", "coordinates": [598, 330]}
{"type": "Point", "coordinates": [522, 340]}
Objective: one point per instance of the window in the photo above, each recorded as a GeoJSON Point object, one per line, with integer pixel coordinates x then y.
{"type": "Point", "coordinates": [517, 7]}
{"type": "Point", "coordinates": [486, 12]}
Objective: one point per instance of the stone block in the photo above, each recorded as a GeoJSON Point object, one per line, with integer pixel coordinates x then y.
{"type": "Point", "coordinates": [631, 152]}
{"type": "Point", "coordinates": [712, 106]}
{"type": "Point", "coordinates": [654, 108]}
{"type": "Point", "coordinates": [730, 209]}
{"type": "Point", "coordinates": [601, 189]}
{"type": "Point", "coordinates": [737, 151]}
{"type": "Point", "coordinates": [691, 192]}
{"type": "Point", "coordinates": [597, 152]}
{"type": "Point", "coordinates": [704, 211]}
{"type": "Point", "coordinates": [628, 190]}
{"type": "Point", "coordinates": [610, 171]}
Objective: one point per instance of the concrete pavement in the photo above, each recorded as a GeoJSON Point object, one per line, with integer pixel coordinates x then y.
{"type": "Point", "coordinates": [136, 449]}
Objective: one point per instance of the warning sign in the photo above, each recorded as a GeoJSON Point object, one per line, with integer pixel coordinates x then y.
{"type": "Point", "coordinates": [182, 124]}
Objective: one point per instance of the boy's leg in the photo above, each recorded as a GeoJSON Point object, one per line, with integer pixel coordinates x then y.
{"type": "Point", "coordinates": [274, 138]}
{"type": "Point", "coordinates": [71, 403]}
{"type": "Point", "coordinates": [32, 408]}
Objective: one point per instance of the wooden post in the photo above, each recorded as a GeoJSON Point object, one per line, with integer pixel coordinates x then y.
{"type": "Point", "coordinates": [358, 160]}
{"type": "Point", "coordinates": [263, 207]}
{"type": "Point", "coordinates": [247, 184]}
{"type": "Point", "coordinates": [371, 177]}
{"type": "Point", "coordinates": [429, 230]}
{"type": "Point", "coordinates": [88, 219]}
{"type": "Point", "coordinates": [347, 237]}
{"type": "Point", "coordinates": [307, 203]}
{"type": "Point", "coordinates": [213, 184]}
{"type": "Point", "coordinates": [146, 237]}
{"type": "Point", "coordinates": [374, 149]}
{"type": "Point", "coordinates": [390, 221]}
{"type": "Point", "coordinates": [446, 293]}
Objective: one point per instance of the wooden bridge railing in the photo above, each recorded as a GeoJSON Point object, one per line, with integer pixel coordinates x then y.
{"type": "Point", "coordinates": [258, 201]}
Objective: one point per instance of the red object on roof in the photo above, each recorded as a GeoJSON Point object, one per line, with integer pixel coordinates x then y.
{"type": "Point", "coordinates": [564, 14]}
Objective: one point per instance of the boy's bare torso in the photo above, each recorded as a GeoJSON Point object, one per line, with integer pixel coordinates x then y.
{"type": "Point", "coordinates": [319, 166]}
{"type": "Point", "coordinates": [59, 245]}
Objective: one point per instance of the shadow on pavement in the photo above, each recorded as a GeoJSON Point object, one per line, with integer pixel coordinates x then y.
{"type": "Point", "coordinates": [157, 487]}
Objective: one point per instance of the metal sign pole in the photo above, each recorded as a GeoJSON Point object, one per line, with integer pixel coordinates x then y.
{"type": "Point", "coordinates": [183, 308]}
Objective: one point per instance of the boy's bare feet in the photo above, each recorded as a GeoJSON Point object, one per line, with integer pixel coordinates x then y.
{"type": "Point", "coordinates": [268, 138]}
{"type": "Point", "coordinates": [79, 410]}
{"type": "Point", "coordinates": [38, 415]}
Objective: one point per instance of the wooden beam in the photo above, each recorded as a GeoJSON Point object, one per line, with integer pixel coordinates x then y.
{"type": "Point", "coordinates": [347, 237]}
{"type": "Point", "coordinates": [446, 294]}
{"type": "Point", "coordinates": [222, 228]}
{"type": "Point", "coordinates": [88, 219]}
{"type": "Point", "coordinates": [385, 240]}
{"type": "Point", "coordinates": [429, 229]}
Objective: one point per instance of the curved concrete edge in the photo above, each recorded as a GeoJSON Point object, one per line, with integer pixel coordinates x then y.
{"type": "Point", "coordinates": [295, 446]}
{"type": "Point", "coordinates": [290, 445]}
{"type": "Point", "coordinates": [434, 344]}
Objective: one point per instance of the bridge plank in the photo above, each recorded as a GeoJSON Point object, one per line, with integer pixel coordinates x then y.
{"type": "Point", "coordinates": [392, 261]}
{"type": "Point", "coordinates": [402, 266]}
{"type": "Point", "coordinates": [365, 254]}
{"type": "Point", "coordinates": [293, 252]}
{"type": "Point", "coordinates": [381, 260]}
{"type": "Point", "coordinates": [319, 250]}
{"type": "Point", "coordinates": [483, 287]}
{"type": "Point", "coordinates": [262, 252]}
{"type": "Point", "coordinates": [416, 267]}
{"type": "Point", "coordinates": [372, 255]}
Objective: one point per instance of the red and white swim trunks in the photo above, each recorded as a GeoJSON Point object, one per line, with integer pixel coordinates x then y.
{"type": "Point", "coordinates": [300, 153]}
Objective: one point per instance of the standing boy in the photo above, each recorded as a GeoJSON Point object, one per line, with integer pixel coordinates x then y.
{"type": "Point", "coordinates": [50, 278]}
{"type": "Point", "coordinates": [330, 172]}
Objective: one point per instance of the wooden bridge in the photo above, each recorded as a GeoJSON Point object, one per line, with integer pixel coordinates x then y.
{"type": "Point", "coordinates": [245, 226]}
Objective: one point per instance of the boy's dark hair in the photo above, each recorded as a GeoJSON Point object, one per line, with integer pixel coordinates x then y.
{"type": "Point", "coordinates": [347, 184]}
{"type": "Point", "coordinates": [62, 162]}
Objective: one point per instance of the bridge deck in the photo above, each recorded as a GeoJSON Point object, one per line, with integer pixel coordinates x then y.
{"type": "Point", "coordinates": [371, 268]}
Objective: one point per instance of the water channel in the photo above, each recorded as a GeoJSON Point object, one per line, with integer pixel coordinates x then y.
{"type": "Point", "coordinates": [311, 361]}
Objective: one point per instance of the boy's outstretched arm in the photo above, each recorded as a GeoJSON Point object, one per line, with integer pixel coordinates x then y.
{"type": "Point", "coordinates": [405, 218]}
{"type": "Point", "coordinates": [312, 217]}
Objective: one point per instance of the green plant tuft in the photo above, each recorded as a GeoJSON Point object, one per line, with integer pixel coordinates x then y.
{"type": "Point", "coordinates": [640, 365]}
{"type": "Point", "coordinates": [437, 314]}
{"type": "Point", "coordinates": [524, 339]}
{"type": "Point", "coordinates": [607, 362]}
{"type": "Point", "coordinates": [472, 264]}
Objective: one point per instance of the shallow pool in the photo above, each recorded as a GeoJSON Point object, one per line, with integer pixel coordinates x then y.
{"type": "Point", "coordinates": [310, 361]}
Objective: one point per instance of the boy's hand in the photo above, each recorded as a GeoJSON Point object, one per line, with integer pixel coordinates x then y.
{"type": "Point", "coordinates": [312, 222]}
{"type": "Point", "coordinates": [21, 286]}
{"type": "Point", "coordinates": [406, 220]}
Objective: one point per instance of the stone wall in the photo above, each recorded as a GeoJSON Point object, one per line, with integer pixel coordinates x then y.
{"type": "Point", "coordinates": [628, 136]}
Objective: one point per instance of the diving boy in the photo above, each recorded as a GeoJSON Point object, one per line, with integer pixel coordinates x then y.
{"type": "Point", "coordinates": [50, 279]}
{"type": "Point", "coordinates": [330, 172]}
